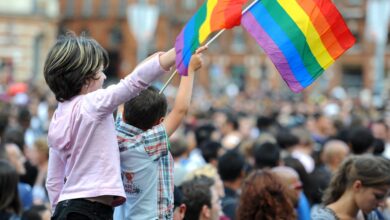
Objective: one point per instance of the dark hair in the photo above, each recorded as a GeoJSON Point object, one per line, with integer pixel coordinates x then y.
{"type": "Point", "coordinates": [360, 140]}
{"type": "Point", "coordinates": [71, 63]}
{"type": "Point", "coordinates": [203, 133]}
{"type": "Point", "coordinates": [286, 139]}
{"type": "Point", "coordinates": [231, 165]}
{"type": "Point", "coordinates": [371, 170]}
{"type": "Point", "coordinates": [178, 147]}
{"type": "Point", "coordinates": [264, 122]}
{"type": "Point", "coordinates": [210, 150]}
{"type": "Point", "coordinates": [300, 169]}
{"type": "Point", "coordinates": [3, 122]}
{"type": "Point", "coordinates": [34, 212]}
{"type": "Point", "coordinates": [197, 193]}
{"type": "Point", "coordinates": [265, 197]}
{"type": "Point", "coordinates": [266, 155]}
{"type": "Point", "coordinates": [144, 110]}
{"type": "Point", "coordinates": [14, 136]}
{"type": "Point", "coordinates": [379, 146]}
{"type": "Point", "coordinates": [9, 196]}
{"type": "Point", "coordinates": [24, 117]}
{"type": "Point", "coordinates": [232, 120]}
{"type": "Point", "coordinates": [177, 197]}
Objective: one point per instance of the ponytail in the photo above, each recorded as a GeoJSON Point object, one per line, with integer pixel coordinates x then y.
{"type": "Point", "coordinates": [338, 183]}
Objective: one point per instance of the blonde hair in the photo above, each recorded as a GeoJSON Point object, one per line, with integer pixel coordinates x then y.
{"type": "Point", "coordinates": [207, 170]}
{"type": "Point", "coordinates": [42, 146]}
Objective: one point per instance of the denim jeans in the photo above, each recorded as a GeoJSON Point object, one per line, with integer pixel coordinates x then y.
{"type": "Point", "coordinates": [80, 209]}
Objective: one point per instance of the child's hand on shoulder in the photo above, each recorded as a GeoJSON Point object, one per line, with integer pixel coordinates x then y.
{"type": "Point", "coordinates": [196, 61]}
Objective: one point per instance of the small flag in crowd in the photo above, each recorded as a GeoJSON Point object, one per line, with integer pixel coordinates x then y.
{"type": "Point", "coordinates": [301, 37]}
{"type": "Point", "coordinates": [212, 16]}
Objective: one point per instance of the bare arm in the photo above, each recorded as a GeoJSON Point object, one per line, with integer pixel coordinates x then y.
{"type": "Point", "coordinates": [183, 97]}
{"type": "Point", "coordinates": [168, 59]}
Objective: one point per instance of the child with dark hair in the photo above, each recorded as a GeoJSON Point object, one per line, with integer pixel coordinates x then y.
{"type": "Point", "coordinates": [83, 179]}
{"type": "Point", "coordinates": [146, 163]}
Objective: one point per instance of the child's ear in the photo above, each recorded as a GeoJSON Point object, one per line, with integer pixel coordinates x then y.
{"type": "Point", "coordinates": [205, 211]}
{"type": "Point", "coordinates": [161, 120]}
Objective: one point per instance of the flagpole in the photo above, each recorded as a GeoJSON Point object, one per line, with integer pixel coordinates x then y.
{"type": "Point", "coordinates": [207, 44]}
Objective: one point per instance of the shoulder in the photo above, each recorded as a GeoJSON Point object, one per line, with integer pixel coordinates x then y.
{"type": "Point", "coordinates": [322, 213]}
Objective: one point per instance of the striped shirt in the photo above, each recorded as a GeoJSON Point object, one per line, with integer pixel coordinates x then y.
{"type": "Point", "coordinates": [147, 172]}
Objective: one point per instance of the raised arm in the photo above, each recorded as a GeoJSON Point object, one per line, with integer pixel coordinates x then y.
{"type": "Point", "coordinates": [183, 97]}
{"type": "Point", "coordinates": [167, 60]}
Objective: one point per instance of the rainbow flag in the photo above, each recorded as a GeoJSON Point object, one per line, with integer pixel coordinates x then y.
{"type": "Point", "coordinates": [301, 37]}
{"type": "Point", "coordinates": [213, 15]}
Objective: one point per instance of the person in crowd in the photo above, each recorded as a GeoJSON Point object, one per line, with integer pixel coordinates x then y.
{"type": "Point", "coordinates": [179, 208]}
{"type": "Point", "coordinates": [39, 158]}
{"type": "Point", "coordinates": [3, 127]}
{"type": "Point", "coordinates": [291, 180]}
{"type": "Point", "coordinates": [17, 160]}
{"type": "Point", "coordinates": [264, 196]}
{"type": "Point", "coordinates": [231, 136]}
{"type": "Point", "coordinates": [267, 155]}
{"type": "Point", "coordinates": [304, 149]}
{"type": "Point", "coordinates": [379, 147]}
{"type": "Point", "coordinates": [231, 169]}
{"type": "Point", "coordinates": [178, 150]}
{"type": "Point", "coordinates": [290, 177]}
{"type": "Point", "coordinates": [195, 139]}
{"type": "Point", "coordinates": [16, 136]}
{"type": "Point", "coordinates": [332, 155]}
{"type": "Point", "coordinates": [10, 207]}
{"type": "Point", "coordinates": [360, 140]}
{"type": "Point", "coordinates": [36, 212]}
{"type": "Point", "coordinates": [201, 198]}
{"type": "Point", "coordinates": [210, 171]}
{"type": "Point", "coordinates": [358, 188]}
{"type": "Point", "coordinates": [323, 127]}
{"type": "Point", "coordinates": [210, 152]}
{"type": "Point", "coordinates": [146, 164]}
{"type": "Point", "coordinates": [303, 176]}
{"type": "Point", "coordinates": [83, 169]}
{"type": "Point", "coordinates": [380, 130]}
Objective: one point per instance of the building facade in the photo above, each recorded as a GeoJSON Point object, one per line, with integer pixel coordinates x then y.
{"type": "Point", "coordinates": [27, 30]}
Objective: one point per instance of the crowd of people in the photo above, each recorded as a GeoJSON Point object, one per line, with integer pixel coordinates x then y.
{"type": "Point", "coordinates": [256, 155]}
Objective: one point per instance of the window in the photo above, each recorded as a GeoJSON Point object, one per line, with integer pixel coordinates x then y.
{"type": "Point", "coordinates": [355, 2]}
{"type": "Point", "coordinates": [37, 54]}
{"type": "Point", "coordinates": [122, 8]}
{"type": "Point", "coordinates": [238, 44]}
{"type": "Point", "coordinates": [69, 8]}
{"type": "Point", "coordinates": [353, 79]}
{"type": "Point", "coordinates": [189, 4]}
{"type": "Point", "coordinates": [104, 8]}
{"type": "Point", "coordinates": [87, 8]}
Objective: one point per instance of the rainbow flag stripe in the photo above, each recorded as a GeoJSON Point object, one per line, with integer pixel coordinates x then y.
{"type": "Point", "coordinates": [213, 15]}
{"type": "Point", "coordinates": [301, 37]}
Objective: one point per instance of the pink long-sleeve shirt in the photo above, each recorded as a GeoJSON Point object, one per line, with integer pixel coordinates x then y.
{"type": "Point", "coordinates": [84, 156]}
